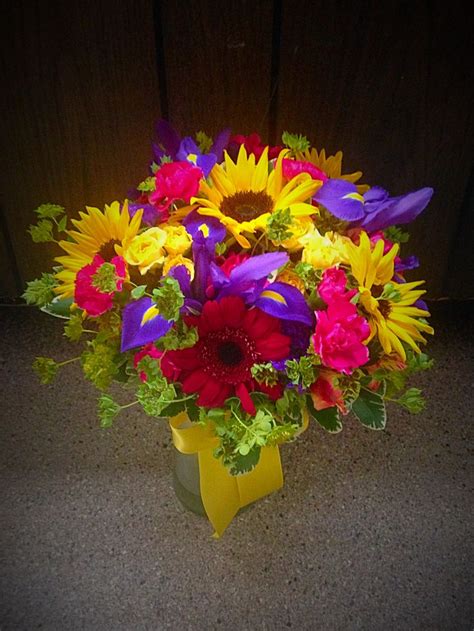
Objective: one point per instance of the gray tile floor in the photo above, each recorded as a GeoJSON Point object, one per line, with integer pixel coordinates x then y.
{"type": "Point", "coordinates": [371, 531]}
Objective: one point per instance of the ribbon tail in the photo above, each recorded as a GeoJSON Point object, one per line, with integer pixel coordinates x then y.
{"type": "Point", "coordinates": [266, 478]}
{"type": "Point", "coordinates": [219, 491]}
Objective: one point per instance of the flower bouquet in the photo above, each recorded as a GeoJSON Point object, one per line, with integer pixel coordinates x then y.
{"type": "Point", "coordinates": [242, 291]}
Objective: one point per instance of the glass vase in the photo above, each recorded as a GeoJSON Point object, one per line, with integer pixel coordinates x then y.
{"type": "Point", "coordinates": [186, 482]}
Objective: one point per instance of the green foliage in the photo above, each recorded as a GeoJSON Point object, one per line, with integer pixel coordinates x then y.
{"type": "Point", "coordinates": [73, 328]}
{"type": "Point", "coordinates": [40, 292]}
{"type": "Point", "coordinates": [169, 298]}
{"type": "Point", "coordinates": [301, 372]}
{"type": "Point", "coordinates": [390, 293]}
{"type": "Point", "coordinates": [295, 142]}
{"type": "Point", "coordinates": [412, 400]}
{"type": "Point", "coordinates": [105, 278]}
{"type": "Point", "coordinates": [221, 248]}
{"type": "Point", "coordinates": [241, 435]}
{"type": "Point", "coordinates": [329, 419]}
{"type": "Point", "coordinates": [369, 407]}
{"type": "Point", "coordinates": [46, 369]}
{"type": "Point", "coordinates": [155, 394]}
{"type": "Point", "coordinates": [101, 361]}
{"type": "Point", "coordinates": [396, 235]}
{"type": "Point", "coordinates": [279, 224]}
{"type": "Point", "coordinates": [310, 276]}
{"type": "Point", "coordinates": [42, 232]}
{"type": "Point", "coordinates": [138, 292]}
{"type": "Point", "coordinates": [49, 211]}
{"type": "Point", "coordinates": [108, 410]}
{"type": "Point", "coordinates": [265, 373]}
{"type": "Point", "coordinates": [204, 142]}
{"type": "Point", "coordinates": [148, 185]}
{"type": "Point", "coordinates": [179, 336]}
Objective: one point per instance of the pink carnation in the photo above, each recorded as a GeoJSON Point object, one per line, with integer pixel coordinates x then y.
{"type": "Point", "coordinates": [176, 180]}
{"type": "Point", "coordinates": [291, 168]}
{"type": "Point", "coordinates": [339, 336]}
{"type": "Point", "coordinates": [333, 286]}
{"type": "Point", "coordinates": [90, 298]}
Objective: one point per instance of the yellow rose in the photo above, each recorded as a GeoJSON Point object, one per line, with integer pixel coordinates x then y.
{"type": "Point", "coordinates": [146, 249]}
{"type": "Point", "coordinates": [178, 240]}
{"type": "Point", "coordinates": [323, 251]}
{"type": "Point", "coordinates": [172, 261]}
{"type": "Point", "coordinates": [299, 227]}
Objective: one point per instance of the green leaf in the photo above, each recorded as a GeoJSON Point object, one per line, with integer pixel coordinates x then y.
{"type": "Point", "coordinates": [59, 307]}
{"type": "Point", "coordinates": [396, 235]}
{"type": "Point", "coordinates": [412, 400]}
{"type": "Point", "coordinates": [138, 292]}
{"type": "Point", "coordinates": [243, 463]}
{"type": "Point", "coordinates": [148, 185]}
{"type": "Point", "coordinates": [49, 211]}
{"type": "Point", "coordinates": [279, 225]}
{"type": "Point", "coordinates": [369, 408]}
{"type": "Point", "coordinates": [204, 141]}
{"type": "Point", "coordinates": [329, 419]}
{"type": "Point", "coordinates": [73, 327]}
{"type": "Point", "coordinates": [40, 292]}
{"type": "Point", "coordinates": [62, 224]}
{"type": "Point", "coordinates": [295, 142]}
{"type": "Point", "coordinates": [169, 298]}
{"type": "Point", "coordinates": [108, 410]}
{"type": "Point", "coordinates": [46, 369]}
{"type": "Point", "coordinates": [42, 232]}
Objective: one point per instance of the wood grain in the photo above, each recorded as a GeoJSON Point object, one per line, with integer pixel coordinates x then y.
{"type": "Point", "coordinates": [79, 104]}
{"type": "Point", "coordinates": [389, 83]}
{"type": "Point", "coordinates": [218, 64]}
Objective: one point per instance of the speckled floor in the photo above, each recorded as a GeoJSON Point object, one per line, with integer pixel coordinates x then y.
{"type": "Point", "coordinates": [371, 531]}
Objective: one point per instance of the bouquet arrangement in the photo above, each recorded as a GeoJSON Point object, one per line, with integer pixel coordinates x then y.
{"type": "Point", "coordinates": [246, 288]}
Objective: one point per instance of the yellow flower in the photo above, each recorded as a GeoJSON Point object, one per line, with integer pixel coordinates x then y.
{"type": "Point", "coordinates": [147, 249]}
{"type": "Point", "coordinates": [105, 233]}
{"type": "Point", "coordinates": [299, 227]}
{"type": "Point", "coordinates": [323, 251]}
{"type": "Point", "coordinates": [172, 261]}
{"type": "Point", "coordinates": [332, 166]}
{"type": "Point", "coordinates": [243, 195]}
{"type": "Point", "coordinates": [178, 240]}
{"type": "Point", "coordinates": [388, 306]}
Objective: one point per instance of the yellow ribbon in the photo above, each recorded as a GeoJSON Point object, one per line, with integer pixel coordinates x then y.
{"type": "Point", "coordinates": [223, 494]}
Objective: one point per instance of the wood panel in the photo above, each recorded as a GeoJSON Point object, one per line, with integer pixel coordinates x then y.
{"type": "Point", "coordinates": [79, 102]}
{"type": "Point", "coordinates": [390, 84]}
{"type": "Point", "coordinates": [218, 64]}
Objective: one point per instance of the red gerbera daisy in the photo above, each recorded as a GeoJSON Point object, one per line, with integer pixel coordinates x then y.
{"type": "Point", "coordinates": [232, 338]}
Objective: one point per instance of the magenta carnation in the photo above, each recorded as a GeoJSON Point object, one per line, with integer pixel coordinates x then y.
{"type": "Point", "coordinates": [176, 180]}
{"type": "Point", "coordinates": [333, 285]}
{"type": "Point", "coordinates": [339, 336]}
{"type": "Point", "coordinates": [90, 298]}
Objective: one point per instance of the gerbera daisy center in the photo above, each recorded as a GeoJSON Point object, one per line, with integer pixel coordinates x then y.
{"type": "Point", "coordinates": [247, 205]}
{"type": "Point", "coordinates": [228, 354]}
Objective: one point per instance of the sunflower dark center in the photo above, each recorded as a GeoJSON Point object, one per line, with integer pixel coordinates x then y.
{"type": "Point", "coordinates": [385, 308]}
{"type": "Point", "coordinates": [247, 205]}
{"type": "Point", "coordinates": [107, 251]}
{"type": "Point", "coordinates": [228, 355]}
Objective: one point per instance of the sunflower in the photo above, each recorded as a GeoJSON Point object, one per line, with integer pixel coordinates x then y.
{"type": "Point", "coordinates": [243, 194]}
{"type": "Point", "coordinates": [332, 166]}
{"type": "Point", "coordinates": [104, 233]}
{"type": "Point", "coordinates": [388, 306]}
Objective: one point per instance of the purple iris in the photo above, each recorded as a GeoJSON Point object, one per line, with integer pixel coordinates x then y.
{"type": "Point", "coordinates": [135, 332]}
{"type": "Point", "coordinates": [247, 279]}
{"type": "Point", "coordinates": [170, 144]}
{"type": "Point", "coordinates": [151, 214]}
{"type": "Point", "coordinates": [209, 227]}
{"type": "Point", "coordinates": [375, 210]}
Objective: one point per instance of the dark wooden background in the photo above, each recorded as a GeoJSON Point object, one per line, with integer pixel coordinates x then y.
{"type": "Point", "coordinates": [389, 83]}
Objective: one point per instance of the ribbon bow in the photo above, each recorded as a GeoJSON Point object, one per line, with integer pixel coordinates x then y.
{"type": "Point", "coordinates": [223, 494]}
